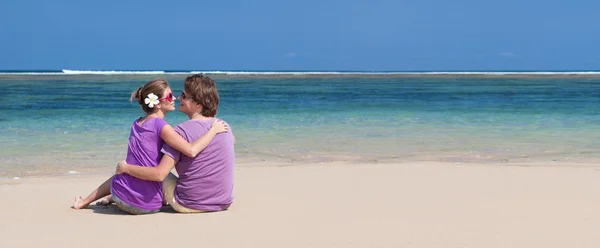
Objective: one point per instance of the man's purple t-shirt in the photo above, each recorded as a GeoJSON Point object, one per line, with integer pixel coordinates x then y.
{"type": "Point", "coordinates": [144, 150]}
{"type": "Point", "coordinates": [205, 181]}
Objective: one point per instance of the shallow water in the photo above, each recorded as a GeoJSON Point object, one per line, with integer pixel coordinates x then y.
{"type": "Point", "coordinates": [53, 124]}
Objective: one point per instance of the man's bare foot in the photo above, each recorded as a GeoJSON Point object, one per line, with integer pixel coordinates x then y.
{"type": "Point", "coordinates": [78, 203]}
{"type": "Point", "coordinates": [105, 201]}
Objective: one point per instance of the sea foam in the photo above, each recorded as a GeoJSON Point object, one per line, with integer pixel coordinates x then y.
{"type": "Point", "coordinates": [110, 72]}
{"type": "Point", "coordinates": [283, 73]}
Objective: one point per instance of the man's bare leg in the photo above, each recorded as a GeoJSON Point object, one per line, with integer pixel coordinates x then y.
{"type": "Point", "coordinates": [98, 193]}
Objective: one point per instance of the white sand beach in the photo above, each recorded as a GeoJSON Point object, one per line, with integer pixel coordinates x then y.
{"type": "Point", "coordinates": [331, 205]}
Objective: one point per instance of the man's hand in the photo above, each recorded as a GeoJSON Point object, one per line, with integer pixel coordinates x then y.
{"type": "Point", "coordinates": [121, 167]}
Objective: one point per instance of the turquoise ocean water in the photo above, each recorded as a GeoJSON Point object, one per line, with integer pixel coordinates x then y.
{"type": "Point", "coordinates": [55, 122]}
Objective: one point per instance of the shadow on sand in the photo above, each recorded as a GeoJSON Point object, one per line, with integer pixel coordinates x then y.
{"type": "Point", "coordinates": [112, 209]}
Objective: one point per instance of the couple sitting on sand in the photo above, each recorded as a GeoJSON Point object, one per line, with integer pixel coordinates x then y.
{"type": "Point", "coordinates": [205, 167]}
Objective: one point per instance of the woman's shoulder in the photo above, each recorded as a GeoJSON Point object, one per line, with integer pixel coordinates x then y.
{"type": "Point", "coordinates": [160, 121]}
{"type": "Point", "coordinates": [149, 124]}
{"type": "Point", "coordinates": [153, 121]}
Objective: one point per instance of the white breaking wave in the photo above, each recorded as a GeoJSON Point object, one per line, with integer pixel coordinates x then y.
{"type": "Point", "coordinates": [110, 72]}
{"type": "Point", "coordinates": [282, 72]}
{"type": "Point", "coordinates": [491, 73]}
{"type": "Point", "coordinates": [400, 73]}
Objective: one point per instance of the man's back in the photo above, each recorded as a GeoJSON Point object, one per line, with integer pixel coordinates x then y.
{"type": "Point", "coordinates": [205, 181]}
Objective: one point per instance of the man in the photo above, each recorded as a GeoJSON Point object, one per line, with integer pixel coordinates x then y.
{"type": "Point", "coordinates": [205, 182]}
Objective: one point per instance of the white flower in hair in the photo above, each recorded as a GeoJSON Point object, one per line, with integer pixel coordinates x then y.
{"type": "Point", "coordinates": [151, 100]}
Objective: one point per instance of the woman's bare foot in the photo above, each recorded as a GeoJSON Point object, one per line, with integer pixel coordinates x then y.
{"type": "Point", "coordinates": [78, 203]}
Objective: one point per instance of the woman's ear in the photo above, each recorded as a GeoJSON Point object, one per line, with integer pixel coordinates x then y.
{"type": "Point", "coordinates": [158, 106]}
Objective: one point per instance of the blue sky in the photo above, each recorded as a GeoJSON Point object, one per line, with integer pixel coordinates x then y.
{"type": "Point", "coordinates": [374, 35]}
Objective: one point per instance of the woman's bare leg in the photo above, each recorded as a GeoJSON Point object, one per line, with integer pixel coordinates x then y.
{"type": "Point", "coordinates": [105, 201]}
{"type": "Point", "coordinates": [98, 193]}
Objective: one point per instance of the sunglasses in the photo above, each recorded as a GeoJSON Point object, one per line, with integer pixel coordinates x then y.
{"type": "Point", "coordinates": [183, 96]}
{"type": "Point", "coordinates": [169, 97]}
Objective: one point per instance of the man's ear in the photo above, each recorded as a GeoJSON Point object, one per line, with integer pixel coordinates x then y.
{"type": "Point", "coordinates": [198, 105]}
